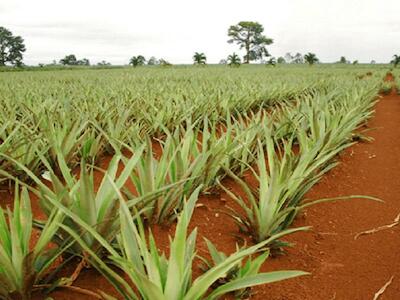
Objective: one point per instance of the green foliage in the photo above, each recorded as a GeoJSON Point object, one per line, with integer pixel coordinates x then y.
{"type": "Point", "coordinates": [103, 63]}
{"type": "Point", "coordinates": [96, 206]}
{"type": "Point", "coordinates": [164, 63]}
{"type": "Point", "coordinates": [386, 88]}
{"type": "Point", "coordinates": [11, 48]}
{"type": "Point", "coordinates": [152, 61]}
{"type": "Point", "coordinates": [233, 60]}
{"type": "Point", "coordinates": [199, 58]}
{"type": "Point", "coordinates": [159, 277]}
{"type": "Point", "coordinates": [249, 35]}
{"type": "Point", "coordinates": [210, 122]}
{"type": "Point", "coordinates": [136, 61]}
{"type": "Point", "coordinates": [23, 267]}
{"type": "Point", "coordinates": [311, 58]}
{"type": "Point", "coordinates": [294, 59]}
{"type": "Point", "coordinates": [281, 60]}
{"type": "Point", "coordinates": [240, 271]}
{"type": "Point", "coordinates": [107, 109]}
{"type": "Point", "coordinates": [322, 128]}
{"type": "Point", "coordinates": [271, 62]}
{"type": "Point", "coordinates": [396, 60]}
{"type": "Point", "coordinates": [71, 60]}
{"type": "Point", "coordinates": [343, 60]}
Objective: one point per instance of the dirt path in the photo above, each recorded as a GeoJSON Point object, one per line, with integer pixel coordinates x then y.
{"type": "Point", "coordinates": [342, 267]}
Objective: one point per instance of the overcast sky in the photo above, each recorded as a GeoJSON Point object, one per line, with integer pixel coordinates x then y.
{"type": "Point", "coordinates": [115, 30]}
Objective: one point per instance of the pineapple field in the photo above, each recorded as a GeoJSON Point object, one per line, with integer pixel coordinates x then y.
{"type": "Point", "coordinates": [191, 182]}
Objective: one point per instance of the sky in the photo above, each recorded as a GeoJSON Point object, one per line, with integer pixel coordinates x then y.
{"type": "Point", "coordinates": [115, 30]}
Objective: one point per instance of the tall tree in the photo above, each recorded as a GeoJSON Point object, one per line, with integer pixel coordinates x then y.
{"type": "Point", "coordinates": [311, 58]}
{"type": "Point", "coordinates": [233, 60]}
{"type": "Point", "coordinates": [164, 63]}
{"type": "Point", "coordinates": [396, 60]}
{"type": "Point", "coordinates": [83, 62]}
{"type": "Point", "coordinates": [281, 60]}
{"type": "Point", "coordinates": [103, 63]}
{"type": "Point", "coordinates": [271, 62]}
{"type": "Point", "coordinates": [298, 58]}
{"type": "Point", "coordinates": [289, 57]}
{"type": "Point", "coordinates": [11, 48]}
{"type": "Point", "coordinates": [199, 58]}
{"type": "Point", "coordinates": [343, 60]}
{"type": "Point", "coordinates": [152, 61]}
{"type": "Point", "coordinates": [69, 60]}
{"type": "Point", "coordinates": [137, 61]}
{"type": "Point", "coordinates": [249, 35]}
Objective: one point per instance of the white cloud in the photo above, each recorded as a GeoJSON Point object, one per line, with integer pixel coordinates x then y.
{"type": "Point", "coordinates": [175, 29]}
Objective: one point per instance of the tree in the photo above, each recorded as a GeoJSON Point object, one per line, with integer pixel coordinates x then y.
{"type": "Point", "coordinates": [355, 62]}
{"type": "Point", "coordinates": [152, 61]}
{"type": "Point", "coordinates": [294, 59]}
{"type": "Point", "coordinates": [199, 58]}
{"type": "Point", "coordinates": [373, 62]}
{"type": "Point", "coordinates": [248, 35]}
{"type": "Point", "coordinates": [234, 60]}
{"type": "Point", "coordinates": [281, 60]}
{"type": "Point", "coordinates": [103, 63]}
{"type": "Point", "coordinates": [223, 61]}
{"type": "Point", "coordinates": [11, 48]}
{"type": "Point", "coordinates": [83, 62]}
{"type": "Point", "coordinates": [289, 57]}
{"type": "Point", "coordinates": [343, 60]}
{"type": "Point", "coordinates": [271, 62]}
{"type": "Point", "coordinates": [69, 60]}
{"type": "Point", "coordinates": [396, 60]}
{"type": "Point", "coordinates": [298, 58]}
{"type": "Point", "coordinates": [137, 61]}
{"type": "Point", "coordinates": [164, 63]}
{"type": "Point", "coordinates": [311, 58]}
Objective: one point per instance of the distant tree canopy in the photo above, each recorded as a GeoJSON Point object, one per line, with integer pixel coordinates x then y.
{"type": "Point", "coordinates": [223, 61]}
{"type": "Point", "coordinates": [136, 61]}
{"type": "Point", "coordinates": [234, 60]}
{"type": "Point", "coordinates": [71, 60]}
{"type": "Point", "coordinates": [396, 60]}
{"type": "Point", "coordinates": [199, 58]}
{"type": "Point", "coordinates": [83, 62]}
{"type": "Point", "coordinates": [11, 48]}
{"type": "Point", "coordinates": [164, 63]}
{"type": "Point", "coordinates": [153, 61]}
{"type": "Point", "coordinates": [281, 60]}
{"type": "Point", "coordinates": [271, 62]}
{"type": "Point", "coordinates": [294, 59]}
{"type": "Point", "coordinates": [311, 58]}
{"type": "Point", "coordinates": [103, 63]}
{"type": "Point", "coordinates": [249, 35]}
{"type": "Point", "coordinates": [343, 60]}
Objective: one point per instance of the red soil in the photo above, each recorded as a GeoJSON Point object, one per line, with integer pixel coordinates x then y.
{"type": "Point", "coordinates": [341, 266]}
{"type": "Point", "coordinates": [389, 77]}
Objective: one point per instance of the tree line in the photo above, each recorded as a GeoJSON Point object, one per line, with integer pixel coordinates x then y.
{"type": "Point", "coordinates": [248, 36]}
